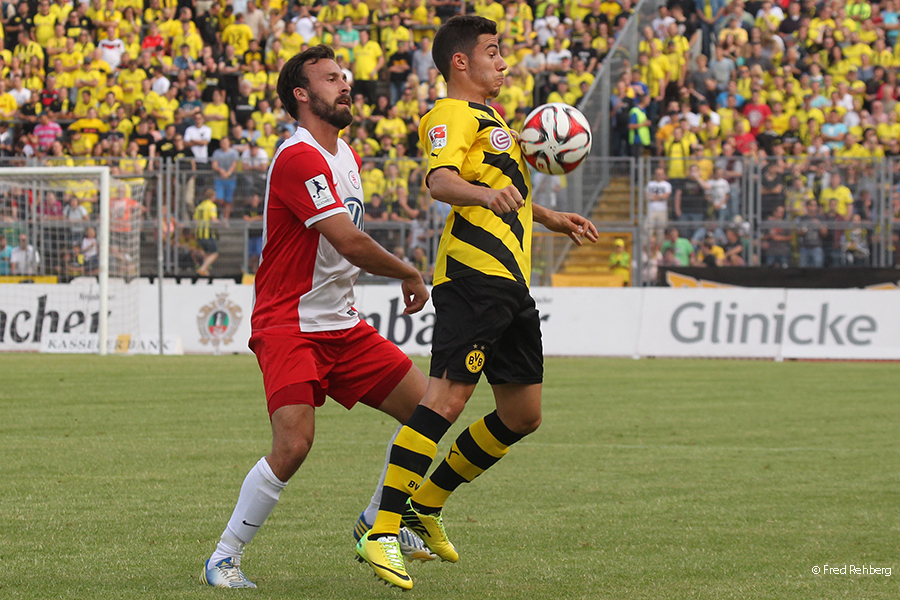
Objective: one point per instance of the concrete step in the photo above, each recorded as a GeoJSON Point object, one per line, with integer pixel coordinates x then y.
{"type": "Point", "coordinates": [587, 280]}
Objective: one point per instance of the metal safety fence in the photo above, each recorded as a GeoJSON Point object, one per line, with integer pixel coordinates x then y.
{"type": "Point", "coordinates": [737, 211]}
{"type": "Point", "coordinates": [729, 210]}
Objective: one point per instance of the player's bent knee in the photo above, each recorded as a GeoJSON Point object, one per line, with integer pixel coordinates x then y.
{"type": "Point", "coordinates": [525, 425]}
{"type": "Point", "coordinates": [447, 398]}
{"type": "Point", "coordinates": [288, 454]}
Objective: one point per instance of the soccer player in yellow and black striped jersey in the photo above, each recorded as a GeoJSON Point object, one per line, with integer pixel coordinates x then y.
{"type": "Point", "coordinates": [486, 318]}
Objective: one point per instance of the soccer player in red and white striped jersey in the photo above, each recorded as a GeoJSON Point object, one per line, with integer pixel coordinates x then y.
{"type": "Point", "coordinates": [306, 332]}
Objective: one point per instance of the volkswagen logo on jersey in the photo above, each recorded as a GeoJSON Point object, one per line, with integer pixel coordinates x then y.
{"type": "Point", "coordinates": [356, 209]}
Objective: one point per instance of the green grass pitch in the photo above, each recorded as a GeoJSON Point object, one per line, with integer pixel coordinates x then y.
{"type": "Point", "coordinates": [650, 479]}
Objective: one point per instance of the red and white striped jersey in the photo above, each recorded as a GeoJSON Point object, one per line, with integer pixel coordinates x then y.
{"type": "Point", "coordinates": [302, 281]}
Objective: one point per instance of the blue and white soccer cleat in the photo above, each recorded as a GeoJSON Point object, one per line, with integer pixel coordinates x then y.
{"type": "Point", "coordinates": [411, 546]}
{"type": "Point", "coordinates": [225, 574]}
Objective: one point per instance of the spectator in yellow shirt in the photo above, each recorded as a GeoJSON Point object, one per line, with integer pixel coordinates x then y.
{"type": "Point", "coordinates": [390, 36]}
{"type": "Point", "coordinates": [44, 24]}
{"type": "Point", "coordinates": [511, 97]}
{"type": "Point", "coordinates": [111, 86]}
{"type": "Point", "coordinates": [264, 115]}
{"type": "Point", "coordinates": [563, 94]}
{"type": "Point", "coordinates": [332, 13]}
{"type": "Point", "coordinates": [838, 192]}
{"type": "Point", "coordinates": [368, 61]}
{"type": "Point", "coordinates": [372, 180]}
{"type": "Point", "coordinates": [61, 10]}
{"type": "Point", "coordinates": [153, 13]}
{"type": "Point", "coordinates": [257, 77]}
{"type": "Point", "coordinates": [27, 48]}
{"type": "Point", "coordinates": [8, 104]}
{"type": "Point", "coordinates": [64, 78]}
{"type": "Point", "coordinates": [322, 36]}
{"type": "Point", "coordinates": [292, 41]}
{"type": "Point", "coordinates": [130, 79]}
{"type": "Point", "coordinates": [189, 38]}
{"type": "Point", "coordinates": [108, 107]}
{"type": "Point", "coordinates": [268, 139]}
{"type": "Point", "coordinates": [90, 127]}
{"type": "Point", "coordinates": [578, 76]}
{"type": "Point", "coordinates": [108, 17]}
{"type": "Point", "coordinates": [277, 51]}
{"type": "Point", "coordinates": [218, 116]}
{"type": "Point", "coordinates": [71, 58]}
{"type": "Point", "coordinates": [164, 110]}
{"type": "Point", "coordinates": [85, 102]}
{"type": "Point", "coordinates": [391, 125]}
{"type": "Point", "coordinates": [358, 11]}
{"type": "Point", "coordinates": [238, 34]}
{"type": "Point", "coordinates": [57, 44]}
{"type": "Point", "coordinates": [490, 10]}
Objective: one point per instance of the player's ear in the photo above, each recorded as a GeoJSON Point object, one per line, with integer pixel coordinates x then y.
{"type": "Point", "coordinates": [301, 95]}
{"type": "Point", "coordinates": [459, 61]}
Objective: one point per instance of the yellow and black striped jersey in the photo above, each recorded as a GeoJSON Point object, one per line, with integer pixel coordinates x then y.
{"type": "Point", "coordinates": [473, 140]}
{"type": "Point", "coordinates": [205, 213]}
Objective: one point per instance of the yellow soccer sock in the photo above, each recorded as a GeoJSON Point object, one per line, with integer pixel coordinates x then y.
{"type": "Point", "coordinates": [476, 449]}
{"type": "Point", "coordinates": [411, 455]}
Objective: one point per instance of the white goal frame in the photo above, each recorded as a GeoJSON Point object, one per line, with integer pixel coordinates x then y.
{"type": "Point", "coordinates": [103, 233]}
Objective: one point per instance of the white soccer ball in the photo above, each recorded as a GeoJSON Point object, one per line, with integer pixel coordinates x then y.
{"type": "Point", "coordinates": [556, 138]}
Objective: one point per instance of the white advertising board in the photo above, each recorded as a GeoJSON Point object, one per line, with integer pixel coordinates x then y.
{"type": "Point", "coordinates": [849, 324]}
{"type": "Point", "coordinates": [712, 322]}
{"type": "Point", "coordinates": [208, 317]}
{"type": "Point", "coordinates": [214, 317]}
{"type": "Point", "coordinates": [771, 323]}
{"type": "Point", "coordinates": [574, 321]}
{"type": "Point", "coordinates": [589, 321]}
{"type": "Point", "coordinates": [32, 313]}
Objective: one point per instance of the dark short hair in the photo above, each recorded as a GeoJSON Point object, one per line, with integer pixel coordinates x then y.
{"type": "Point", "coordinates": [293, 74]}
{"type": "Point", "coordinates": [458, 34]}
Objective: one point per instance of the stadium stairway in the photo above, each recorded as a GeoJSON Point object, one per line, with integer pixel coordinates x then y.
{"type": "Point", "coordinates": [588, 265]}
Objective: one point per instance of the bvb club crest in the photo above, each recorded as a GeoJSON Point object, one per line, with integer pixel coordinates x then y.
{"type": "Point", "coordinates": [218, 321]}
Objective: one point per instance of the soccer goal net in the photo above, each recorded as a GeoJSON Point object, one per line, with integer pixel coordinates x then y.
{"type": "Point", "coordinates": [68, 258]}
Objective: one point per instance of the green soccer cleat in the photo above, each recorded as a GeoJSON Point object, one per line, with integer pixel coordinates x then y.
{"type": "Point", "coordinates": [411, 546]}
{"type": "Point", "coordinates": [430, 527]}
{"type": "Point", "coordinates": [383, 555]}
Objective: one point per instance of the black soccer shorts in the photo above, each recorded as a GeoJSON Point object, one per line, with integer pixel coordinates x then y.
{"type": "Point", "coordinates": [488, 324]}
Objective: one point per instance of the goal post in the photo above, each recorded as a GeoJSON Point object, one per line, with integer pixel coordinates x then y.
{"type": "Point", "coordinates": [51, 212]}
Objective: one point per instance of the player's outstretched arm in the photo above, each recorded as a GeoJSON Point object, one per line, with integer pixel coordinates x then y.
{"type": "Point", "coordinates": [447, 186]}
{"type": "Point", "coordinates": [572, 224]}
{"type": "Point", "coordinates": [364, 252]}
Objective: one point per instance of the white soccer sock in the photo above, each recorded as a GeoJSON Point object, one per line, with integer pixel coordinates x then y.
{"type": "Point", "coordinates": [372, 510]}
{"type": "Point", "coordinates": [259, 495]}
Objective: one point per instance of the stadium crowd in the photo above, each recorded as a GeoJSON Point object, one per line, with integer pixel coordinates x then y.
{"type": "Point", "coordinates": [805, 90]}
{"type": "Point", "coordinates": [124, 82]}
